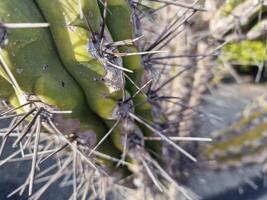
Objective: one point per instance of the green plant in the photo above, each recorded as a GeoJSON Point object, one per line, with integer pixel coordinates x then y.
{"type": "Point", "coordinates": [245, 53]}
{"type": "Point", "coordinates": [75, 70]}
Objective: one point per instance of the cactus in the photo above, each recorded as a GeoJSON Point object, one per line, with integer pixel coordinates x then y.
{"type": "Point", "coordinates": [243, 142]}
{"type": "Point", "coordinates": [243, 28]}
{"type": "Point", "coordinates": [79, 72]}
{"type": "Point", "coordinates": [6, 89]}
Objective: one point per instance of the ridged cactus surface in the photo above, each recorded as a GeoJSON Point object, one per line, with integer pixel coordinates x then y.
{"type": "Point", "coordinates": [76, 82]}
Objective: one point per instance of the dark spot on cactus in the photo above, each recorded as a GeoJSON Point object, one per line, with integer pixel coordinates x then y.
{"type": "Point", "coordinates": [62, 83]}
{"type": "Point", "coordinates": [3, 36]}
{"type": "Point", "coordinates": [45, 67]}
{"type": "Point", "coordinates": [98, 79]}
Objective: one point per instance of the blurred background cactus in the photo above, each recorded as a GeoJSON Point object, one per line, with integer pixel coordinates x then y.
{"type": "Point", "coordinates": [240, 26]}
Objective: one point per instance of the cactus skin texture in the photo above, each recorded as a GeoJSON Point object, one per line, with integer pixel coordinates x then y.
{"type": "Point", "coordinates": [43, 74]}
{"type": "Point", "coordinates": [6, 89]}
{"type": "Point", "coordinates": [72, 44]}
{"type": "Point", "coordinates": [71, 80]}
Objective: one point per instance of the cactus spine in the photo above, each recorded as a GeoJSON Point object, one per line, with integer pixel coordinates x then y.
{"type": "Point", "coordinates": [81, 75]}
